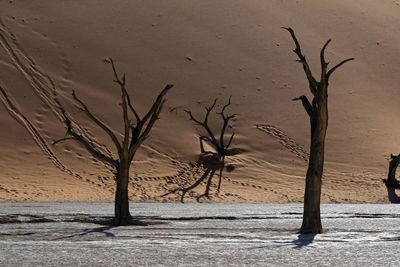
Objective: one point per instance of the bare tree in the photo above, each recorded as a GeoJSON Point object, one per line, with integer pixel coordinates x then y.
{"type": "Point", "coordinates": [218, 144]}
{"type": "Point", "coordinates": [391, 182]}
{"type": "Point", "coordinates": [216, 160]}
{"type": "Point", "coordinates": [318, 113]}
{"type": "Point", "coordinates": [133, 136]}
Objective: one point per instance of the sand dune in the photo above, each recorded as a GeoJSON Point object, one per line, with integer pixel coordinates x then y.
{"type": "Point", "coordinates": [209, 50]}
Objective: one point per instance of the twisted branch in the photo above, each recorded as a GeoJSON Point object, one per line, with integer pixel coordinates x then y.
{"type": "Point", "coordinates": [325, 74]}
{"type": "Point", "coordinates": [98, 122]}
{"type": "Point", "coordinates": [97, 154]}
{"type": "Point", "coordinates": [122, 83]}
{"type": "Point", "coordinates": [218, 145]}
{"type": "Point", "coordinates": [313, 84]}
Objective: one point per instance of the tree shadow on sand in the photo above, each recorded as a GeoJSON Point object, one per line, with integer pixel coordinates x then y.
{"type": "Point", "coordinates": [102, 229]}
{"type": "Point", "coordinates": [213, 163]}
{"type": "Point", "coordinates": [303, 240]}
{"type": "Point", "coordinates": [106, 225]}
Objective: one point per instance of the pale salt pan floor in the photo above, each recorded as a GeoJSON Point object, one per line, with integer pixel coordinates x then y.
{"type": "Point", "coordinates": [71, 234]}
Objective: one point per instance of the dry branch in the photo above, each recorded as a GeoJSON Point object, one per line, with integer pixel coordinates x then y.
{"type": "Point", "coordinates": [98, 122]}
{"type": "Point", "coordinates": [78, 137]}
{"type": "Point", "coordinates": [218, 145]}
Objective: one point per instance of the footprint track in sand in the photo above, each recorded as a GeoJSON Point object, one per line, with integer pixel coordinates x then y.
{"type": "Point", "coordinates": [255, 186]}
{"type": "Point", "coordinates": [5, 189]}
{"type": "Point", "coordinates": [44, 87]}
{"type": "Point", "coordinates": [65, 82]}
{"type": "Point", "coordinates": [284, 140]}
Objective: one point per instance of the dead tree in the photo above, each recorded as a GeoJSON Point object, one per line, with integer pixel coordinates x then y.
{"type": "Point", "coordinates": [217, 159]}
{"type": "Point", "coordinates": [318, 113]}
{"type": "Point", "coordinates": [391, 182]}
{"type": "Point", "coordinates": [218, 144]}
{"type": "Point", "coordinates": [133, 136]}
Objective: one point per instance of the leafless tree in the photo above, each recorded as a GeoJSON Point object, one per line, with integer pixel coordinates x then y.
{"type": "Point", "coordinates": [133, 136]}
{"type": "Point", "coordinates": [318, 113]}
{"type": "Point", "coordinates": [391, 182]}
{"type": "Point", "coordinates": [215, 160]}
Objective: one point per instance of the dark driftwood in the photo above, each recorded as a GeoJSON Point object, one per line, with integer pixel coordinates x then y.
{"type": "Point", "coordinates": [317, 110]}
{"type": "Point", "coordinates": [133, 137]}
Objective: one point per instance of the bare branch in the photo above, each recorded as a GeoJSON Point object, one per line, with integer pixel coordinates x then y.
{"type": "Point", "coordinates": [193, 118]}
{"type": "Point", "coordinates": [208, 109]}
{"type": "Point", "coordinates": [157, 102]}
{"type": "Point", "coordinates": [84, 142]}
{"type": "Point", "coordinates": [152, 120]}
{"type": "Point", "coordinates": [204, 124]}
{"type": "Point", "coordinates": [337, 66]}
{"type": "Point", "coordinates": [138, 121]}
{"type": "Point", "coordinates": [123, 89]}
{"type": "Point", "coordinates": [127, 125]}
{"type": "Point", "coordinates": [313, 84]}
{"type": "Point", "coordinates": [98, 122]}
{"type": "Point", "coordinates": [226, 121]}
{"type": "Point", "coordinates": [153, 115]}
{"type": "Point", "coordinates": [324, 64]}
{"type": "Point", "coordinates": [116, 78]}
{"type": "Point", "coordinates": [306, 104]}
{"type": "Point", "coordinates": [230, 141]}
{"type": "Point", "coordinates": [225, 106]}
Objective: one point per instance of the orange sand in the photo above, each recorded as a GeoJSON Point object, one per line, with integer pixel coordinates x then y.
{"type": "Point", "coordinates": [208, 49]}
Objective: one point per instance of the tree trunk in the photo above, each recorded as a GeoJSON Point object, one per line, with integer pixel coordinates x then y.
{"type": "Point", "coordinates": [318, 113]}
{"type": "Point", "coordinates": [312, 196]}
{"type": "Point", "coordinates": [122, 214]}
{"type": "Point", "coordinates": [391, 182]}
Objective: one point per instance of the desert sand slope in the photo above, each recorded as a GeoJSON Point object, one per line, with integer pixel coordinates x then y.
{"type": "Point", "coordinates": [208, 49]}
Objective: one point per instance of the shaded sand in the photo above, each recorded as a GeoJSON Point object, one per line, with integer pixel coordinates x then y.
{"type": "Point", "coordinates": [208, 49]}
